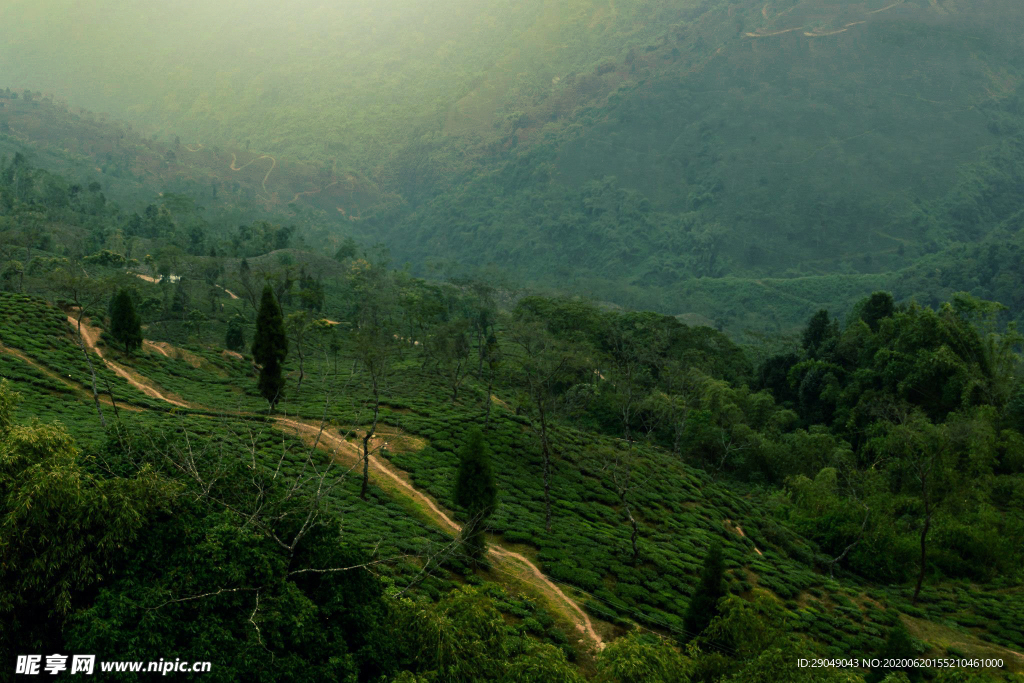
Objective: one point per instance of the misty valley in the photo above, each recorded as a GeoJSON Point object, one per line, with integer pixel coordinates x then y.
{"type": "Point", "coordinates": [626, 341]}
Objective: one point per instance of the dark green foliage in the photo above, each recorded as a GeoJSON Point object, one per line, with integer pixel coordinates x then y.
{"type": "Point", "coordinates": [819, 331]}
{"type": "Point", "coordinates": [62, 527]}
{"type": "Point", "coordinates": [234, 340]}
{"type": "Point", "coordinates": [818, 456]}
{"type": "Point", "coordinates": [876, 307]}
{"type": "Point", "coordinates": [270, 347]}
{"type": "Point", "coordinates": [475, 490]}
{"type": "Point", "coordinates": [704, 601]}
{"type": "Point", "coordinates": [124, 321]}
{"type": "Point", "coordinates": [898, 645]}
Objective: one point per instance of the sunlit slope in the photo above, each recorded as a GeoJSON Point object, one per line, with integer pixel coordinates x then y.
{"type": "Point", "coordinates": [623, 148]}
{"type": "Point", "coordinates": [306, 78]}
{"type": "Point", "coordinates": [797, 139]}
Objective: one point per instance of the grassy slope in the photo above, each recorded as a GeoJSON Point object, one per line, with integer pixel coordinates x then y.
{"type": "Point", "coordinates": [681, 508]}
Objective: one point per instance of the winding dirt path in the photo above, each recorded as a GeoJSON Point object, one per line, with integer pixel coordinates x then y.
{"type": "Point", "coordinates": [312, 192]}
{"type": "Point", "coordinates": [273, 165]}
{"type": "Point", "coordinates": [235, 167]}
{"type": "Point", "coordinates": [816, 33]}
{"type": "Point", "coordinates": [150, 278]}
{"type": "Point", "coordinates": [582, 620]}
{"type": "Point", "coordinates": [327, 439]}
{"type": "Point", "coordinates": [739, 531]}
{"type": "Point", "coordinates": [91, 334]}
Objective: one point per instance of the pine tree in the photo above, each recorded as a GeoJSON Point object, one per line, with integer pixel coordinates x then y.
{"type": "Point", "coordinates": [475, 490]}
{"type": "Point", "coordinates": [270, 347]}
{"type": "Point", "coordinates": [704, 603]}
{"type": "Point", "coordinates": [124, 321]}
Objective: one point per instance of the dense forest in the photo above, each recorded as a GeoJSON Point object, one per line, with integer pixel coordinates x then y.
{"type": "Point", "coordinates": [558, 340]}
{"type": "Point", "coordinates": [265, 457]}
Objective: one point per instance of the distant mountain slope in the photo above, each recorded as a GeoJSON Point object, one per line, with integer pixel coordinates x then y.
{"type": "Point", "coordinates": [630, 149]}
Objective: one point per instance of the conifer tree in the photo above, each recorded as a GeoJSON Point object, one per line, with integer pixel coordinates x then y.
{"type": "Point", "coordinates": [475, 490]}
{"type": "Point", "coordinates": [270, 347]}
{"type": "Point", "coordinates": [704, 603]}
{"type": "Point", "coordinates": [124, 321]}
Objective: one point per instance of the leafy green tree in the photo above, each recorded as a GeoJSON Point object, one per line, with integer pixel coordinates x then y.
{"type": "Point", "coordinates": [461, 638]}
{"type": "Point", "coordinates": [235, 337]}
{"type": "Point", "coordinates": [124, 321]}
{"type": "Point", "coordinates": [373, 287]}
{"type": "Point", "coordinates": [348, 250]}
{"type": "Point", "coordinates": [898, 645]}
{"type": "Point", "coordinates": [636, 658]}
{"type": "Point", "coordinates": [704, 603]}
{"type": "Point", "coordinates": [475, 491]}
{"type": "Point", "coordinates": [920, 461]}
{"type": "Point", "coordinates": [62, 527]}
{"type": "Point", "coordinates": [541, 663]}
{"type": "Point", "coordinates": [752, 641]}
{"type": "Point", "coordinates": [821, 328]}
{"type": "Point", "coordinates": [270, 347]}
{"type": "Point", "coordinates": [876, 307]}
{"type": "Point", "coordinates": [451, 350]}
{"type": "Point", "coordinates": [181, 301]}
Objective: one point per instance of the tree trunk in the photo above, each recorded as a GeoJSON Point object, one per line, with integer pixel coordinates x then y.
{"type": "Point", "coordinates": [924, 548]}
{"type": "Point", "coordinates": [546, 451]}
{"type": "Point", "coordinates": [851, 546]}
{"type": "Point", "coordinates": [635, 531]}
{"type": "Point", "coordinates": [92, 371]}
{"type": "Point", "coordinates": [366, 448]}
{"type": "Point", "coordinates": [110, 393]}
{"type": "Point", "coordinates": [547, 487]}
{"type": "Point", "coordinates": [490, 388]}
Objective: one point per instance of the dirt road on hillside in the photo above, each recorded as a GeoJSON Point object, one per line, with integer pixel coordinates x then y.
{"type": "Point", "coordinates": [90, 335]}
{"type": "Point", "coordinates": [351, 450]}
{"type": "Point", "coordinates": [573, 610]}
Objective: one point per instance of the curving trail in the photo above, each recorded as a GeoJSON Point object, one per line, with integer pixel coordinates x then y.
{"type": "Point", "coordinates": [773, 33]}
{"type": "Point", "coordinates": [235, 167]}
{"type": "Point", "coordinates": [312, 192]}
{"type": "Point", "coordinates": [818, 33]}
{"type": "Point", "coordinates": [154, 280]}
{"type": "Point", "coordinates": [900, 2]}
{"type": "Point", "coordinates": [583, 622]}
{"type": "Point", "coordinates": [826, 33]}
{"type": "Point", "coordinates": [310, 430]}
{"type": "Point", "coordinates": [90, 335]}
{"type": "Point", "coordinates": [273, 164]}
{"type": "Point", "coordinates": [739, 531]}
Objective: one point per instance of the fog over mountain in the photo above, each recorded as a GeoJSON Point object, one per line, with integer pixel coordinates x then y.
{"type": "Point", "coordinates": [513, 340]}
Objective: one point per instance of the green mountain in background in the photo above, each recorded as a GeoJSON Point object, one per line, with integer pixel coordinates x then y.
{"type": "Point", "coordinates": [739, 163]}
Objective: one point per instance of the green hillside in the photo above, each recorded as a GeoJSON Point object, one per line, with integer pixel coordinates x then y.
{"type": "Point", "coordinates": [862, 483]}
{"type": "Point", "coordinates": [630, 150]}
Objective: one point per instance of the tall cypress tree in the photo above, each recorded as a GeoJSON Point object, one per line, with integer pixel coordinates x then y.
{"type": "Point", "coordinates": [124, 321]}
{"type": "Point", "coordinates": [270, 347]}
{"type": "Point", "coordinates": [704, 603]}
{"type": "Point", "coordinates": [475, 490]}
